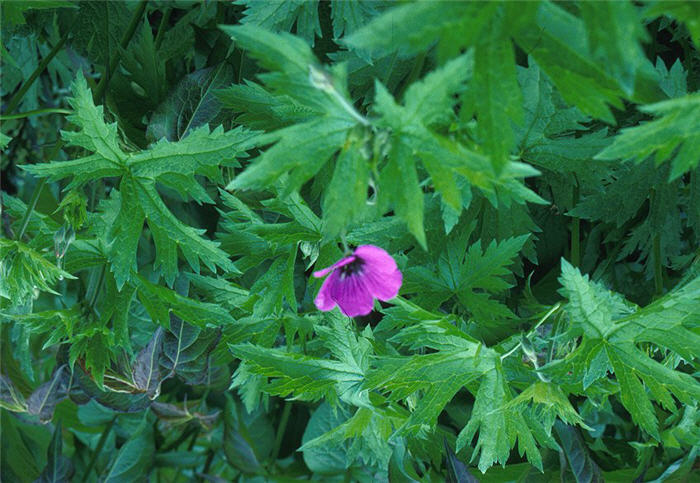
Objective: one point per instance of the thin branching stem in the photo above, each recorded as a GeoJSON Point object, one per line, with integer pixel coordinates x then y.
{"type": "Point", "coordinates": [281, 429]}
{"type": "Point", "coordinates": [35, 112]}
{"type": "Point", "coordinates": [126, 38]}
{"type": "Point", "coordinates": [19, 95]}
{"type": "Point", "coordinates": [98, 448]}
{"type": "Point", "coordinates": [546, 316]}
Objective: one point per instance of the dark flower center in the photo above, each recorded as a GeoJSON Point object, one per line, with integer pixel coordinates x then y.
{"type": "Point", "coordinates": [352, 268]}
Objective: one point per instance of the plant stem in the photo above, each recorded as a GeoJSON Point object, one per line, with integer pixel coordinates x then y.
{"type": "Point", "coordinates": [413, 75]}
{"type": "Point", "coordinates": [575, 232]}
{"type": "Point", "coordinates": [658, 268]}
{"type": "Point", "coordinates": [181, 439]}
{"type": "Point", "coordinates": [98, 449]}
{"type": "Point", "coordinates": [17, 98]}
{"type": "Point", "coordinates": [161, 28]}
{"type": "Point", "coordinates": [35, 112]}
{"type": "Point", "coordinates": [549, 313]}
{"type": "Point", "coordinates": [126, 38]}
{"type": "Point", "coordinates": [30, 207]}
{"type": "Point", "coordinates": [284, 419]}
{"type": "Point", "coordinates": [94, 290]}
{"type": "Point", "coordinates": [35, 194]}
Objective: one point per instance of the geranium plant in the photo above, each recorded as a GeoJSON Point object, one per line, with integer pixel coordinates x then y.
{"type": "Point", "coordinates": [350, 241]}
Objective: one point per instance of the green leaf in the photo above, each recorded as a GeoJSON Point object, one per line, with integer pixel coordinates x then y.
{"type": "Point", "coordinates": [4, 140]}
{"type": "Point", "coordinates": [14, 12]}
{"type": "Point", "coordinates": [310, 378]}
{"type": "Point", "coordinates": [614, 34]}
{"type": "Point", "coordinates": [159, 301]}
{"type": "Point", "coordinates": [248, 437]}
{"type": "Point", "coordinates": [557, 43]}
{"type": "Point", "coordinates": [324, 459]}
{"type": "Point", "coordinates": [497, 97]}
{"type": "Point", "coordinates": [281, 15]}
{"type": "Point", "coordinates": [134, 459]}
{"type": "Point", "coordinates": [99, 28]}
{"type": "Point", "coordinates": [282, 51]}
{"type": "Point", "coordinates": [467, 274]}
{"type": "Point", "coordinates": [416, 26]}
{"type": "Point", "coordinates": [58, 467]}
{"type": "Point", "coordinates": [612, 328]}
{"type": "Point", "coordinates": [313, 143]}
{"type": "Point", "coordinates": [499, 426]}
{"type": "Point", "coordinates": [350, 15]}
{"type": "Point", "coordinates": [94, 135]}
{"type": "Point", "coordinates": [591, 306]}
{"type": "Point", "coordinates": [400, 182]}
{"type": "Point", "coordinates": [23, 269]}
{"type": "Point", "coordinates": [549, 403]}
{"type": "Point", "coordinates": [18, 460]}
{"type": "Point", "coordinates": [346, 196]}
{"type": "Point", "coordinates": [96, 345]}
{"type": "Point", "coordinates": [172, 164]}
{"type": "Point", "coordinates": [431, 100]}
{"type": "Point", "coordinates": [674, 136]}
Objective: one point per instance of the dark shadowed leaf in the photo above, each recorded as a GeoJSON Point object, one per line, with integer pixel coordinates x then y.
{"type": "Point", "coordinates": [248, 437]}
{"type": "Point", "coordinates": [186, 350]}
{"type": "Point", "coordinates": [172, 415]}
{"type": "Point", "coordinates": [190, 105]}
{"type": "Point", "coordinates": [10, 398]}
{"type": "Point", "coordinates": [43, 400]}
{"type": "Point", "coordinates": [457, 471]}
{"type": "Point", "coordinates": [58, 467]}
{"type": "Point", "coordinates": [120, 401]}
{"type": "Point", "coordinates": [584, 469]}
{"type": "Point", "coordinates": [97, 28]}
{"type": "Point", "coordinates": [146, 368]}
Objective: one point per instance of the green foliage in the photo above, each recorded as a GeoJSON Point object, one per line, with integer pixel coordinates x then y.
{"type": "Point", "coordinates": [674, 136]}
{"type": "Point", "coordinates": [173, 174]}
{"type": "Point", "coordinates": [23, 270]}
{"type": "Point", "coordinates": [137, 200]}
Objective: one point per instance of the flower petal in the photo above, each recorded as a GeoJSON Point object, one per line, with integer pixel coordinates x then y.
{"type": "Point", "coordinates": [338, 264]}
{"type": "Point", "coordinates": [352, 296]}
{"type": "Point", "coordinates": [323, 300]}
{"type": "Point", "coordinates": [382, 285]}
{"type": "Point", "coordinates": [376, 257]}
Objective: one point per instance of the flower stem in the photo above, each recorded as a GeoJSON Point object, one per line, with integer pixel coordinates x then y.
{"type": "Point", "coordinates": [346, 249]}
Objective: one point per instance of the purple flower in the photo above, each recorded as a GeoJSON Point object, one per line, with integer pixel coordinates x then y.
{"type": "Point", "coordinates": [358, 279]}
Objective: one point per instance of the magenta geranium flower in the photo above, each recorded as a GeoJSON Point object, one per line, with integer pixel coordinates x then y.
{"type": "Point", "coordinates": [355, 281]}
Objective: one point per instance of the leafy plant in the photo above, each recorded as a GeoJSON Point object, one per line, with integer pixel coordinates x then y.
{"type": "Point", "coordinates": [173, 173]}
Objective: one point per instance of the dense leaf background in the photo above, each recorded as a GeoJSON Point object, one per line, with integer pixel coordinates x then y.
{"type": "Point", "coordinates": [173, 171]}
